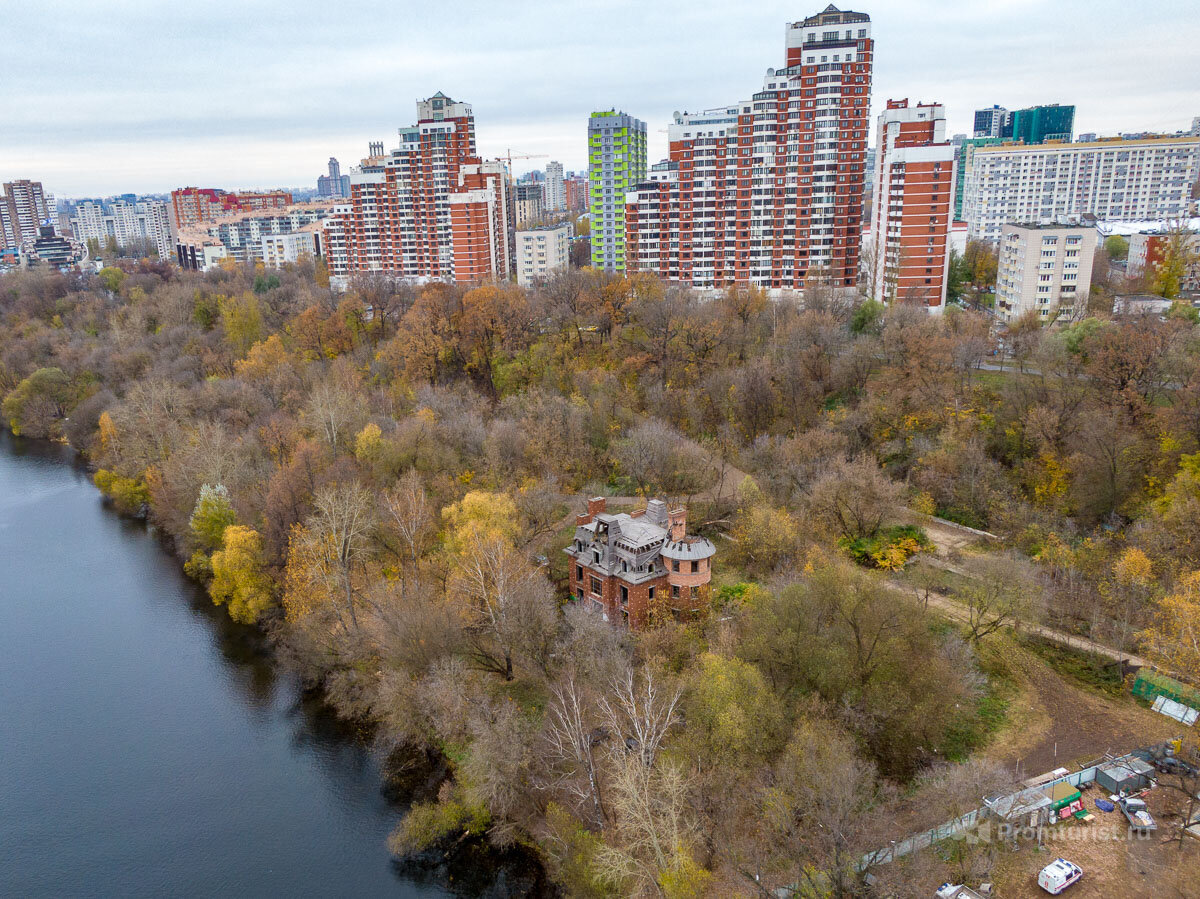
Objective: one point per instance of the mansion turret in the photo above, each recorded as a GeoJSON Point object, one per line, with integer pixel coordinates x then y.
{"type": "Point", "coordinates": [627, 565]}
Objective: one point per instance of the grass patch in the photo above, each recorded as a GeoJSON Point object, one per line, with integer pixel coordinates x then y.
{"type": "Point", "coordinates": [991, 711]}
{"type": "Point", "coordinates": [1084, 668]}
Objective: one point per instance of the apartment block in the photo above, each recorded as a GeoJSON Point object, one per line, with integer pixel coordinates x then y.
{"type": "Point", "coordinates": [1044, 268]}
{"type": "Point", "coordinates": [279, 250]}
{"type": "Point", "coordinates": [126, 222]}
{"type": "Point", "coordinates": [963, 159]}
{"type": "Point", "coordinates": [616, 162]}
{"type": "Point", "coordinates": [479, 223]}
{"type": "Point", "coordinates": [241, 236]}
{"type": "Point", "coordinates": [24, 207]}
{"type": "Point", "coordinates": [631, 568]}
{"type": "Point", "coordinates": [193, 205]}
{"type": "Point", "coordinates": [542, 251]}
{"type": "Point", "coordinates": [577, 194]}
{"type": "Point", "coordinates": [555, 191]}
{"type": "Point", "coordinates": [531, 203]}
{"type": "Point", "coordinates": [914, 190]}
{"type": "Point", "coordinates": [1148, 249]}
{"type": "Point", "coordinates": [1112, 180]}
{"type": "Point", "coordinates": [767, 191]}
{"type": "Point", "coordinates": [430, 208]}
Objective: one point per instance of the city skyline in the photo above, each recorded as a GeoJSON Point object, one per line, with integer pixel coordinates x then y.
{"type": "Point", "coordinates": [290, 95]}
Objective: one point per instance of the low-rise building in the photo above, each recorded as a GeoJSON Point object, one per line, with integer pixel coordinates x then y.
{"type": "Point", "coordinates": [541, 251]}
{"type": "Point", "coordinates": [280, 249]}
{"type": "Point", "coordinates": [632, 568]}
{"type": "Point", "coordinates": [1046, 268]}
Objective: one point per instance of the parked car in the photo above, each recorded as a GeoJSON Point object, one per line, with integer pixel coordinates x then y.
{"type": "Point", "coordinates": [1172, 765]}
{"type": "Point", "coordinates": [1058, 875]}
{"type": "Point", "coordinates": [1139, 816]}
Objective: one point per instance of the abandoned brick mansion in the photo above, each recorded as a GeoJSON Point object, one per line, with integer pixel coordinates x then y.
{"type": "Point", "coordinates": [627, 566]}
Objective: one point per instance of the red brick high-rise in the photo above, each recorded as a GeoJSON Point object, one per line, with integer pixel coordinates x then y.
{"type": "Point", "coordinates": [913, 202]}
{"type": "Point", "coordinates": [768, 191]}
{"type": "Point", "coordinates": [431, 208]}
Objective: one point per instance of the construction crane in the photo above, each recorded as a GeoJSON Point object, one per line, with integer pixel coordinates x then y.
{"type": "Point", "coordinates": [510, 156]}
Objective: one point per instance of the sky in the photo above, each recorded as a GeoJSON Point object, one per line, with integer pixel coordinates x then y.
{"type": "Point", "coordinates": [145, 96]}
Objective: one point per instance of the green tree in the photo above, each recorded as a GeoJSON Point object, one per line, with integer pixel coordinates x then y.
{"type": "Point", "coordinates": [212, 514]}
{"type": "Point", "coordinates": [1117, 247]}
{"type": "Point", "coordinates": [36, 406]}
{"type": "Point", "coordinates": [111, 278]}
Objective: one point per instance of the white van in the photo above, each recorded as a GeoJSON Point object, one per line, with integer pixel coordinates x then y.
{"type": "Point", "coordinates": [1058, 875]}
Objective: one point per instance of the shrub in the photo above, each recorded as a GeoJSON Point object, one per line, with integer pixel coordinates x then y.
{"type": "Point", "coordinates": [129, 495]}
{"type": "Point", "coordinates": [888, 549]}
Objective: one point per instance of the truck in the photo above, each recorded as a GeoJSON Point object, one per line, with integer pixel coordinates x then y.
{"type": "Point", "coordinates": [1138, 815]}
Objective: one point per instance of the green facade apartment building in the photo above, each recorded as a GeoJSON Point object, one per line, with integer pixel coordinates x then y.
{"type": "Point", "coordinates": [616, 162]}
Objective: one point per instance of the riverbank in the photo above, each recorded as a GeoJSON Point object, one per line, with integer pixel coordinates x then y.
{"type": "Point", "coordinates": [155, 746]}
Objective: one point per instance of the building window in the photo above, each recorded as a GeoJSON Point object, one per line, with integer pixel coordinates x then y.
{"type": "Point", "coordinates": [695, 567]}
{"type": "Point", "coordinates": [597, 587]}
{"type": "Point", "coordinates": [650, 594]}
{"type": "Point", "coordinates": [674, 564]}
{"type": "Point", "coordinates": [579, 573]}
{"type": "Point", "coordinates": [674, 591]}
{"type": "Point", "coordinates": [624, 595]}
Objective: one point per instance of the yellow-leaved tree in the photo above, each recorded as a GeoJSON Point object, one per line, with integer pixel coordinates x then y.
{"type": "Point", "coordinates": [505, 603]}
{"type": "Point", "coordinates": [239, 577]}
{"type": "Point", "coordinates": [1172, 641]}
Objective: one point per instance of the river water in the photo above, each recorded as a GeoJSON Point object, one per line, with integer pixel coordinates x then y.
{"type": "Point", "coordinates": [148, 746]}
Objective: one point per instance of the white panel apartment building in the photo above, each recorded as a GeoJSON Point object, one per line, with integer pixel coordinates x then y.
{"type": "Point", "coordinates": [556, 192]}
{"type": "Point", "coordinates": [541, 251]}
{"type": "Point", "coordinates": [1114, 180]}
{"type": "Point", "coordinates": [125, 222]}
{"type": "Point", "coordinates": [1047, 268]}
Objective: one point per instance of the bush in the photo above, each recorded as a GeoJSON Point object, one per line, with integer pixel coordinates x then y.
{"type": "Point", "coordinates": [129, 495]}
{"type": "Point", "coordinates": [888, 549]}
{"type": "Point", "coordinates": [429, 824]}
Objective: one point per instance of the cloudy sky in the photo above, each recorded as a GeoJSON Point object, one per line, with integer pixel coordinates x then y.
{"type": "Point", "coordinates": [142, 95]}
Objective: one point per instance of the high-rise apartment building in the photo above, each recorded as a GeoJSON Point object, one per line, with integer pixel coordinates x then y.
{"type": "Point", "coordinates": [531, 201]}
{"type": "Point", "coordinates": [913, 197]}
{"type": "Point", "coordinates": [430, 208]}
{"type": "Point", "coordinates": [23, 208]}
{"type": "Point", "coordinates": [1112, 180]}
{"type": "Point", "coordinates": [616, 162]}
{"type": "Point", "coordinates": [990, 122]}
{"type": "Point", "coordinates": [768, 191]}
{"type": "Point", "coordinates": [127, 222]}
{"type": "Point", "coordinates": [1047, 268]}
{"type": "Point", "coordinates": [964, 155]}
{"type": "Point", "coordinates": [555, 192]}
{"type": "Point", "coordinates": [192, 205]}
{"type": "Point", "coordinates": [335, 184]}
{"type": "Point", "coordinates": [577, 193]}
{"type": "Point", "coordinates": [241, 235]}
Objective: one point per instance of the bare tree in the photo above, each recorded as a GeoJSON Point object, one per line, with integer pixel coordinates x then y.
{"type": "Point", "coordinates": [574, 736]}
{"type": "Point", "coordinates": [643, 710]}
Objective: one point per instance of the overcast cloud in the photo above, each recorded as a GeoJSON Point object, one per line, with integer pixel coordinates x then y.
{"type": "Point", "coordinates": [135, 95]}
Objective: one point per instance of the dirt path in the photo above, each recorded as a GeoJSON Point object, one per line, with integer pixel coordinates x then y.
{"type": "Point", "coordinates": [1053, 723]}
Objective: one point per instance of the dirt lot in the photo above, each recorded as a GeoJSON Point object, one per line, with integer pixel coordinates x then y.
{"type": "Point", "coordinates": [1054, 723]}
{"type": "Point", "coordinates": [1113, 863]}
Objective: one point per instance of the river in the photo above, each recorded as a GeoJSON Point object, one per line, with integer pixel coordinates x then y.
{"type": "Point", "coordinates": [148, 745]}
